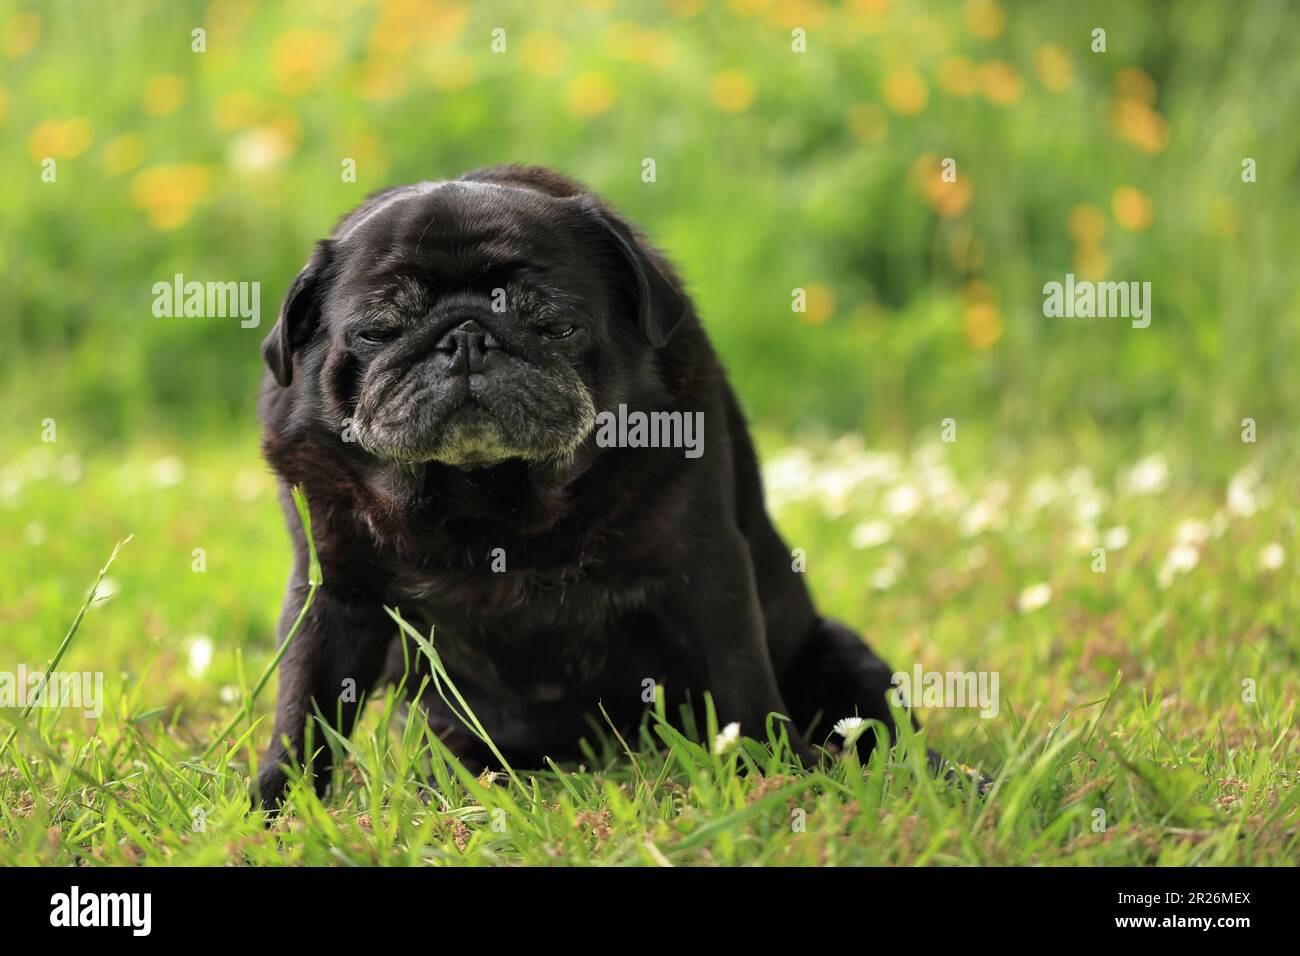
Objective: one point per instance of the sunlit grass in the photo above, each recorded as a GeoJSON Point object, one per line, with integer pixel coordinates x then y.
{"type": "Point", "coordinates": [1121, 695]}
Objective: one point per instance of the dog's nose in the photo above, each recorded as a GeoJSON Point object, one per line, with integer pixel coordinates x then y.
{"type": "Point", "coordinates": [467, 347]}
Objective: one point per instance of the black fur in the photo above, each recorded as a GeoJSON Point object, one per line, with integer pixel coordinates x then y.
{"type": "Point", "coordinates": [428, 430]}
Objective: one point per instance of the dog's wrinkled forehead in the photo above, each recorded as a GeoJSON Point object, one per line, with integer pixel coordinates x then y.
{"type": "Point", "coordinates": [456, 231]}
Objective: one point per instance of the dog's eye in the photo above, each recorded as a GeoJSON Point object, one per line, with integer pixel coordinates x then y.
{"type": "Point", "coordinates": [377, 336]}
{"type": "Point", "coordinates": [559, 331]}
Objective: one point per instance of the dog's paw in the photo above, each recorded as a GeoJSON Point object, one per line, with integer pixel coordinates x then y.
{"type": "Point", "coordinates": [269, 790]}
{"type": "Point", "coordinates": [957, 775]}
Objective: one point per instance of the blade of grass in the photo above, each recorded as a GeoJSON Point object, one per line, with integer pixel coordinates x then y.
{"type": "Point", "coordinates": [314, 581]}
{"type": "Point", "coordinates": [67, 640]}
{"type": "Point", "coordinates": [440, 678]}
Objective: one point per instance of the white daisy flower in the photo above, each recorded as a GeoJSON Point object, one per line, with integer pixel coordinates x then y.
{"type": "Point", "coordinates": [902, 501]}
{"type": "Point", "coordinates": [789, 475]}
{"type": "Point", "coordinates": [848, 726]}
{"type": "Point", "coordinates": [1183, 557]}
{"type": "Point", "coordinates": [727, 738]}
{"type": "Point", "coordinates": [1085, 538]}
{"type": "Point", "coordinates": [834, 488]}
{"type": "Point", "coordinates": [940, 487]}
{"type": "Point", "coordinates": [870, 534]}
{"type": "Point", "coordinates": [979, 517]}
{"type": "Point", "coordinates": [106, 592]}
{"type": "Point", "coordinates": [1148, 476]}
{"type": "Point", "coordinates": [1115, 538]}
{"type": "Point", "coordinates": [1180, 559]}
{"type": "Point", "coordinates": [1042, 492]}
{"type": "Point", "coordinates": [1244, 493]}
{"type": "Point", "coordinates": [200, 654]}
{"type": "Point", "coordinates": [1271, 558]}
{"type": "Point", "coordinates": [167, 472]}
{"type": "Point", "coordinates": [1034, 597]}
{"type": "Point", "coordinates": [1192, 531]}
{"type": "Point", "coordinates": [70, 468]}
{"type": "Point", "coordinates": [1087, 510]}
{"type": "Point", "coordinates": [880, 467]}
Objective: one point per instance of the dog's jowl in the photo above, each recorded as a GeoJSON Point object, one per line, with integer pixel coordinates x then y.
{"type": "Point", "coordinates": [437, 374]}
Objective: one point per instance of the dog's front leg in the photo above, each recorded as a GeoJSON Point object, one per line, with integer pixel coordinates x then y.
{"type": "Point", "coordinates": [719, 612]}
{"type": "Point", "coordinates": [337, 656]}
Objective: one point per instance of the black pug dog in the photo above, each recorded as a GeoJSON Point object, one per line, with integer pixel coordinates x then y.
{"type": "Point", "coordinates": [437, 377]}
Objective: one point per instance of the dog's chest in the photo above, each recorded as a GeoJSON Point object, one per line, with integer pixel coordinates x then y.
{"type": "Point", "coordinates": [489, 595]}
{"type": "Point", "coordinates": [535, 636]}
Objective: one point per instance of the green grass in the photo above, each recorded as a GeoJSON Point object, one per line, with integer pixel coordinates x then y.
{"type": "Point", "coordinates": [1119, 697]}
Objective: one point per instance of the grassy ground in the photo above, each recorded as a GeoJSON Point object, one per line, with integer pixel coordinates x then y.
{"type": "Point", "coordinates": [1125, 733]}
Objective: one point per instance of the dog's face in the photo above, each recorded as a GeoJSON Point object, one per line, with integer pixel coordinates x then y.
{"type": "Point", "coordinates": [471, 323]}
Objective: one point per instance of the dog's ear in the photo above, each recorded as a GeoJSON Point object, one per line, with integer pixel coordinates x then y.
{"type": "Point", "coordinates": [299, 313]}
{"type": "Point", "coordinates": [660, 304]}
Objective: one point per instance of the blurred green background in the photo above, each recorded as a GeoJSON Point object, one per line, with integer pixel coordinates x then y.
{"type": "Point", "coordinates": [775, 170]}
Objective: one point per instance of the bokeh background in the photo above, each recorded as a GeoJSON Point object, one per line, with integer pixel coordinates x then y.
{"type": "Point", "coordinates": [775, 171]}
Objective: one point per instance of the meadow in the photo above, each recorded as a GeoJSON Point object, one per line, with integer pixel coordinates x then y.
{"type": "Point", "coordinates": [1099, 514]}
